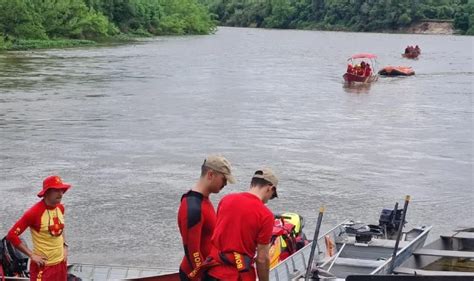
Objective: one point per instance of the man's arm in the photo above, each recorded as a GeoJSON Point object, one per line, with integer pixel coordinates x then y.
{"type": "Point", "coordinates": [65, 246]}
{"type": "Point", "coordinates": [263, 262]}
{"type": "Point", "coordinates": [14, 237]}
{"type": "Point", "coordinates": [40, 260]}
{"type": "Point", "coordinates": [263, 247]}
{"type": "Point", "coordinates": [190, 220]}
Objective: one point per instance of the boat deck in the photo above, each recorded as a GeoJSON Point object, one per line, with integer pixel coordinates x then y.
{"type": "Point", "coordinates": [450, 255]}
{"type": "Point", "coordinates": [350, 257]}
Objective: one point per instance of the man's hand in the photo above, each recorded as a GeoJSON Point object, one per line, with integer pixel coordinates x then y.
{"type": "Point", "coordinates": [39, 260]}
{"type": "Point", "coordinates": [65, 253]}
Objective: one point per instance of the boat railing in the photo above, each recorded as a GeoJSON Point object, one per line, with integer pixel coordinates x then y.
{"type": "Point", "coordinates": [296, 264]}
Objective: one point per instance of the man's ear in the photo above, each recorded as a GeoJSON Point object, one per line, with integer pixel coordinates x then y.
{"type": "Point", "coordinates": [209, 175]}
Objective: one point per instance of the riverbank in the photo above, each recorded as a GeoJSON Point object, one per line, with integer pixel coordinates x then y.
{"type": "Point", "coordinates": [441, 27]}
{"type": "Point", "coordinates": [25, 44]}
{"type": "Point", "coordinates": [34, 44]}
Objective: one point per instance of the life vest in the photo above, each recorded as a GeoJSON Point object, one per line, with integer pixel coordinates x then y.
{"type": "Point", "coordinates": [287, 237]}
{"type": "Point", "coordinates": [330, 246]}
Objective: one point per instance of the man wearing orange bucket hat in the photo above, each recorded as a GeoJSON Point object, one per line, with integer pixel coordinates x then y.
{"type": "Point", "coordinates": [46, 222]}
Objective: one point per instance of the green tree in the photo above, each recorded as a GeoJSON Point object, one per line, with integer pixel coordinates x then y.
{"type": "Point", "coordinates": [18, 19]}
{"type": "Point", "coordinates": [71, 19]}
{"type": "Point", "coordinates": [404, 20]}
{"type": "Point", "coordinates": [281, 14]}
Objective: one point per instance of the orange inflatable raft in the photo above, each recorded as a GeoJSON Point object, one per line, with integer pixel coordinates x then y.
{"type": "Point", "coordinates": [397, 71]}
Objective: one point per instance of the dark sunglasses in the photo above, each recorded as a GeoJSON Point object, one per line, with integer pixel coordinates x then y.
{"type": "Point", "coordinates": [274, 192]}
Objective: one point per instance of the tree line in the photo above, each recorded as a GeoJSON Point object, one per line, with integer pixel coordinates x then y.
{"type": "Point", "coordinates": [350, 15]}
{"type": "Point", "coordinates": [59, 20]}
{"type": "Point", "coordinates": [99, 19]}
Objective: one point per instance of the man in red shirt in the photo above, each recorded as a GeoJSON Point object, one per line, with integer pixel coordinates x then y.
{"type": "Point", "coordinates": [243, 231]}
{"type": "Point", "coordinates": [46, 222]}
{"type": "Point", "coordinates": [196, 215]}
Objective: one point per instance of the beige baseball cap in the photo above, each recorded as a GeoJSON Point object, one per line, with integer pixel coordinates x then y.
{"type": "Point", "coordinates": [268, 175]}
{"type": "Point", "coordinates": [219, 164]}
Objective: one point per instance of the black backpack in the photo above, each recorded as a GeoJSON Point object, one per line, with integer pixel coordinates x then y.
{"type": "Point", "coordinates": [72, 277]}
{"type": "Point", "coordinates": [12, 261]}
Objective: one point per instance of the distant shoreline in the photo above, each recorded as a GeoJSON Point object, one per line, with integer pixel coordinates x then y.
{"type": "Point", "coordinates": [442, 27]}
{"type": "Point", "coordinates": [435, 27]}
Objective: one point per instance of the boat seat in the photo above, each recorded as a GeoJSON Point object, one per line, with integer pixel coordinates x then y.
{"type": "Point", "coordinates": [460, 235]}
{"type": "Point", "coordinates": [359, 262]}
{"type": "Point", "coordinates": [444, 253]}
{"type": "Point", "coordinates": [411, 271]}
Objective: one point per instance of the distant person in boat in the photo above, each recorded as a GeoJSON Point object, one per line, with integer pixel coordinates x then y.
{"type": "Point", "coordinates": [48, 259]}
{"type": "Point", "coordinates": [368, 70]}
{"type": "Point", "coordinates": [361, 69]}
{"type": "Point", "coordinates": [241, 240]}
{"type": "Point", "coordinates": [196, 214]}
{"type": "Point", "coordinates": [355, 69]}
{"type": "Point", "coordinates": [417, 49]}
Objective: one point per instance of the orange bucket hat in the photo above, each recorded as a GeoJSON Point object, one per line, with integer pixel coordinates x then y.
{"type": "Point", "coordinates": [54, 182]}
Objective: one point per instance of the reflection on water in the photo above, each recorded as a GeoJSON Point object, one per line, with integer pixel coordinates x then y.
{"type": "Point", "coordinates": [357, 88]}
{"type": "Point", "coordinates": [129, 127]}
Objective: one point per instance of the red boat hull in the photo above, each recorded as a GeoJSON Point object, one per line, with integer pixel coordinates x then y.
{"type": "Point", "coordinates": [164, 277]}
{"type": "Point", "coordinates": [411, 55]}
{"type": "Point", "coordinates": [349, 77]}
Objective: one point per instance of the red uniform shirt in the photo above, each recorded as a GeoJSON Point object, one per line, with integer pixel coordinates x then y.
{"type": "Point", "coordinates": [243, 221]}
{"type": "Point", "coordinates": [41, 220]}
{"type": "Point", "coordinates": [196, 221]}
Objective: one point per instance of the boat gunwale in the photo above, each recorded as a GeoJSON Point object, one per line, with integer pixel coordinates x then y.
{"type": "Point", "coordinates": [422, 235]}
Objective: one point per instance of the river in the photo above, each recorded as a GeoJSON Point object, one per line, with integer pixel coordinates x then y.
{"type": "Point", "coordinates": [129, 126]}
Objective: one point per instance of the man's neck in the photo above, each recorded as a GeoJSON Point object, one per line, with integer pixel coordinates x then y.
{"type": "Point", "coordinates": [256, 192]}
{"type": "Point", "coordinates": [49, 204]}
{"type": "Point", "coordinates": [201, 188]}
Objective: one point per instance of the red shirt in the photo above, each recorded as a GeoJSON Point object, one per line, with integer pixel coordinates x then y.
{"type": "Point", "coordinates": [243, 221]}
{"type": "Point", "coordinates": [196, 222]}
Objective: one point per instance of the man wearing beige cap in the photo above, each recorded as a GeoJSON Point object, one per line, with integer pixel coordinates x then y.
{"type": "Point", "coordinates": [244, 228]}
{"type": "Point", "coordinates": [196, 214]}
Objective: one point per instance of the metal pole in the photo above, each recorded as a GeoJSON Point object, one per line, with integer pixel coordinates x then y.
{"type": "Point", "coordinates": [313, 245]}
{"type": "Point", "coordinates": [334, 260]}
{"type": "Point", "coordinates": [399, 234]}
